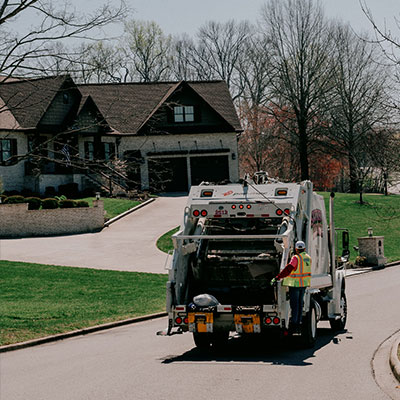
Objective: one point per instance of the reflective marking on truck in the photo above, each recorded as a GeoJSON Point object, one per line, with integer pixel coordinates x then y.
{"type": "Point", "coordinates": [201, 322]}
{"type": "Point", "coordinates": [247, 323]}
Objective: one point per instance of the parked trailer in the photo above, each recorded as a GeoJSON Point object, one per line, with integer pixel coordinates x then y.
{"type": "Point", "coordinates": [232, 241]}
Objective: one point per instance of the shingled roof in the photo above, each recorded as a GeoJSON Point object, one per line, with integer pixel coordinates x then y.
{"type": "Point", "coordinates": [127, 107]}
{"type": "Point", "coordinates": [29, 99]}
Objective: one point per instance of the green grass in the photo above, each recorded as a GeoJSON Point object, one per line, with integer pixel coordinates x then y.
{"type": "Point", "coordinates": [381, 213]}
{"type": "Point", "coordinates": [164, 242]}
{"type": "Point", "coordinates": [39, 300]}
{"type": "Point", "coordinates": [114, 207]}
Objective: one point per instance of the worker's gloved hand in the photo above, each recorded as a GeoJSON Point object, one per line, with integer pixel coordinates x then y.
{"type": "Point", "coordinates": [273, 281]}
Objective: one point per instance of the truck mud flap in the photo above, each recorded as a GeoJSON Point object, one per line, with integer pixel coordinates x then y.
{"type": "Point", "coordinates": [247, 323]}
{"type": "Point", "coordinates": [202, 322]}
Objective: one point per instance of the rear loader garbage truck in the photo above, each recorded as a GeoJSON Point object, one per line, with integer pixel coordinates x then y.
{"type": "Point", "coordinates": [233, 240]}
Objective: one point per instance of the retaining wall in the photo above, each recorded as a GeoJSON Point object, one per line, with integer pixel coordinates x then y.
{"type": "Point", "coordinates": [16, 221]}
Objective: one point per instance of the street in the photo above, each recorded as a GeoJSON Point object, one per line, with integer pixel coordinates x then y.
{"type": "Point", "coordinates": [133, 363]}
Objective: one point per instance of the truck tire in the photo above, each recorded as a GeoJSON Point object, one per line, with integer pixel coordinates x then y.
{"type": "Point", "coordinates": [309, 327]}
{"type": "Point", "coordinates": [217, 340]}
{"type": "Point", "coordinates": [202, 340]}
{"type": "Point", "coordinates": [338, 325]}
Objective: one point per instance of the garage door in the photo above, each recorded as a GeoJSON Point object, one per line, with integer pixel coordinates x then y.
{"type": "Point", "coordinates": [209, 168]}
{"type": "Point", "coordinates": [168, 174]}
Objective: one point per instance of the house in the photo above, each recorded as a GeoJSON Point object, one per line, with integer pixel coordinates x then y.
{"type": "Point", "coordinates": [168, 135]}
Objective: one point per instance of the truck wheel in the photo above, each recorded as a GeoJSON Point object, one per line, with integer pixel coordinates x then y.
{"type": "Point", "coordinates": [202, 340]}
{"type": "Point", "coordinates": [339, 324]}
{"type": "Point", "coordinates": [309, 327]}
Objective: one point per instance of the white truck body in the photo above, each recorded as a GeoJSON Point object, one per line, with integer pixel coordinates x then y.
{"type": "Point", "coordinates": [232, 241]}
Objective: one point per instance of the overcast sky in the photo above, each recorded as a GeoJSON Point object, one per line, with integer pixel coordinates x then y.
{"type": "Point", "coordinates": [186, 16]}
{"type": "Point", "coordinates": [178, 16]}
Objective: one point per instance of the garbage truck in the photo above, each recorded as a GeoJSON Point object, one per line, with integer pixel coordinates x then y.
{"type": "Point", "coordinates": [233, 239]}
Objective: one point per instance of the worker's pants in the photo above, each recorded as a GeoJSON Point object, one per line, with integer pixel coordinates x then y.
{"type": "Point", "coordinates": [296, 295]}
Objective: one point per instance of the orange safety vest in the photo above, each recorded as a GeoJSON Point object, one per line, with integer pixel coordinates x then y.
{"type": "Point", "coordinates": [301, 276]}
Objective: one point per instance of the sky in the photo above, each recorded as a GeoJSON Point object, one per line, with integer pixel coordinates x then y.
{"type": "Point", "coordinates": [186, 16]}
{"type": "Point", "coordinates": [178, 16]}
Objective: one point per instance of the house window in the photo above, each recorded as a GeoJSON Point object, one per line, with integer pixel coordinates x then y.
{"type": "Point", "coordinates": [109, 151]}
{"type": "Point", "coordinates": [89, 151]}
{"type": "Point", "coordinates": [184, 114]}
{"type": "Point", "coordinates": [8, 148]}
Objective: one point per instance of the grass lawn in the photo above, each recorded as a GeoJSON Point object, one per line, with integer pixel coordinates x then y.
{"type": "Point", "coordinates": [39, 300]}
{"type": "Point", "coordinates": [381, 213]}
{"type": "Point", "coordinates": [114, 207]}
{"type": "Point", "coordinates": [164, 242]}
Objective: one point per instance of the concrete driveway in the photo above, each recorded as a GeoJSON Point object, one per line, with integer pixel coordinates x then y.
{"type": "Point", "coordinates": [128, 244]}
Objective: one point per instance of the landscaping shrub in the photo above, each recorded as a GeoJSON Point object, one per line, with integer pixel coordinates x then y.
{"type": "Point", "coordinates": [15, 199]}
{"type": "Point", "coordinates": [82, 203]}
{"type": "Point", "coordinates": [69, 189]}
{"type": "Point", "coordinates": [3, 198]}
{"type": "Point", "coordinates": [50, 191]}
{"type": "Point", "coordinates": [67, 203]}
{"type": "Point", "coordinates": [27, 193]}
{"type": "Point", "coordinates": [34, 203]}
{"type": "Point", "coordinates": [49, 204]}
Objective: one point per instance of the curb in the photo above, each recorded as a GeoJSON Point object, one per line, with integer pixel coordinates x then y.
{"type": "Point", "coordinates": [112, 220]}
{"type": "Point", "coordinates": [394, 358]}
{"type": "Point", "coordinates": [79, 332]}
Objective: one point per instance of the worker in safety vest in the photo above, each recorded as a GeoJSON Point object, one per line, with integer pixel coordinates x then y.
{"type": "Point", "coordinates": [296, 275]}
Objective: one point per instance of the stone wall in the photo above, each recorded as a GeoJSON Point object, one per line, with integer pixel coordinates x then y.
{"type": "Point", "coordinates": [17, 221]}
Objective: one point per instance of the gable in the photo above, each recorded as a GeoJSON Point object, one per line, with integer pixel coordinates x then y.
{"type": "Point", "coordinates": [28, 100]}
{"type": "Point", "coordinates": [204, 111]}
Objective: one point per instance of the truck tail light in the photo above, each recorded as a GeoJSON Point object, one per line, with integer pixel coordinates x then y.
{"type": "Point", "coordinates": [196, 213]}
{"type": "Point", "coordinates": [204, 213]}
{"type": "Point", "coordinates": [276, 320]}
{"type": "Point", "coordinates": [268, 320]}
{"type": "Point", "coordinates": [279, 212]}
{"type": "Point", "coordinates": [178, 320]}
{"type": "Point", "coordinates": [287, 211]}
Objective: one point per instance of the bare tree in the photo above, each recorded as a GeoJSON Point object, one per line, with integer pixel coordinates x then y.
{"type": "Point", "coordinates": [21, 49]}
{"type": "Point", "coordinates": [360, 102]}
{"type": "Point", "coordinates": [147, 51]}
{"type": "Point", "coordinates": [381, 145]}
{"type": "Point", "coordinates": [214, 54]}
{"type": "Point", "coordinates": [300, 39]}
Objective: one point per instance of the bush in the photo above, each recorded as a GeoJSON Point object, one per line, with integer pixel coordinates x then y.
{"type": "Point", "coordinates": [82, 203]}
{"type": "Point", "coordinates": [27, 193]}
{"type": "Point", "coordinates": [3, 198]}
{"type": "Point", "coordinates": [50, 191]}
{"type": "Point", "coordinates": [34, 203]}
{"type": "Point", "coordinates": [49, 204]}
{"type": "Point", "coordinates": [15, 199]}
{"type": "Point", "coordinates": [67, 203]}
{"type": "Point", "coordinates": [69, 189]}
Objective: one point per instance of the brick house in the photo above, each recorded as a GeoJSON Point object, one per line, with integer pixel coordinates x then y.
{"type": "Point", "coordinates": [171, 134]}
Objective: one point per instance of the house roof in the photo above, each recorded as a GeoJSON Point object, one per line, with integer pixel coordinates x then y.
{"type": "Point", "coordinates": [126, 107]}
{"type": "Point", "coordinates": [29, 99]}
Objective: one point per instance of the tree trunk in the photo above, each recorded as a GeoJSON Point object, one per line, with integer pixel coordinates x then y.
{"type": "Point", "coordinates": [354, 184]}
{"type": "Point", "coordinates": [303, 151]}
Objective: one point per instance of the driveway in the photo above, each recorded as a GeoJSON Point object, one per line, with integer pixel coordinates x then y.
{"type": "Point", "coordinates": [128, 244]}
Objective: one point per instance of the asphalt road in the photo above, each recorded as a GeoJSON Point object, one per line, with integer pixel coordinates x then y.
{"type": "Point", "coordinates": [128, 244]}
{"type": "Point", "coordinates": [132, 363]}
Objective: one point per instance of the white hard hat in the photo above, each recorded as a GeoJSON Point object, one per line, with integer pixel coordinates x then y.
{"type": "Point", "coordinates": [300, 245]}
